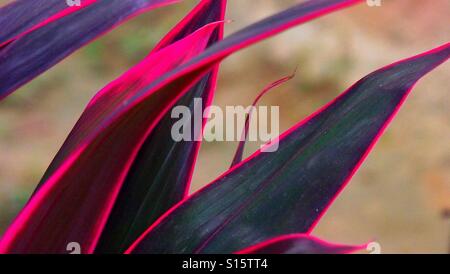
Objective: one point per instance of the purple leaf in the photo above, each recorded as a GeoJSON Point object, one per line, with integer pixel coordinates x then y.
{"type": "Point", "coordinates": [20, 17]}
{"type": "Point", "coordinates": [40, 33]}
{"type": "Point", "coordinates": [287, 191]}
{"type": "Point", "coordinates": [240, 149]}
{"type": "Point", "coordinates": [86, 176]}
{"type": "Point", "coordinates": [299, 244]}
{"type": "Point", "coordinates": [81, 185]}
{"type": "Point", "coordinates": [161, 173]}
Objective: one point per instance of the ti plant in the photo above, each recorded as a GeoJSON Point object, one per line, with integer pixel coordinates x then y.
{"type": "Point", "coordinates": [120, 184]}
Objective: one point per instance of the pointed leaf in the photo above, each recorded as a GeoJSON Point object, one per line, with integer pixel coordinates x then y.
{"type": "Point", "coordinates": [299, 244]}
{"type": "Point", "coordinates": [240, 149]}
{"type": "Point", "coordinates": [87, 174]}
{"type": "Point", "coordinates": [82, 182]}
{"type": "Point", "coordinates": [287, 191]}
{"type": "Point", "coordinates": [21, 16]}
{"type": "Point", "coordinates": [161, 173]}
{"type": "Point", "coordinates": [40, 33]}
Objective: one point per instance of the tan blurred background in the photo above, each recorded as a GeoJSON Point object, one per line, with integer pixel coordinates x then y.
{"type": "Point", "coordinates": [398, 196]}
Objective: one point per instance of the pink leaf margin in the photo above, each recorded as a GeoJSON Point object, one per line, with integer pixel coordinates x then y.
{"type": "Point", "coordinates": [304, 242]}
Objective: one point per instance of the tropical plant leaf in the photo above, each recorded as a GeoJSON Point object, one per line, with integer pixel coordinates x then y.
{"type": "Point", "coordinates": [240, 149]}
{"type": "Point", "coordinates": [83, 180]}
{"type": "Point", "coordinates": [300, 244]}
{"type": "Point", "coordinates": [287, 191]}
{"type": "Point", "coordinates": [161, 173]}
{"type": "Point", "coordinates": [37, 34]}
{"type": "Point", "coordinates": [87, 174]}
{"type": "Point", "coordinates": [20, 16]}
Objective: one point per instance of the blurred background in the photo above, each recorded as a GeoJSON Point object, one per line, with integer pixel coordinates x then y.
{"type": "Point", "coordinates": [399, 195]}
